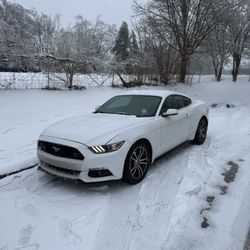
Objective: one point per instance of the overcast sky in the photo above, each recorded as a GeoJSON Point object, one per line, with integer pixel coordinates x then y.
{"type": "Point", "coordinates": [111, 11]}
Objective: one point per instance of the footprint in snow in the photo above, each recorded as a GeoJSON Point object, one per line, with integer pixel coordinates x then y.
{"type": "Point", "coordinates": [25, 235]}
{"type": "Point", "coordinates": [66, 232]}
{"type": "Point", "coordinates": [24, 204]}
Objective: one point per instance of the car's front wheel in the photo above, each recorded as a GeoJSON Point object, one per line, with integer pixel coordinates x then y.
{"type": "Point", "coordinates": [137, 162]}
{"type": "Point", "coordinates": [201, 132]}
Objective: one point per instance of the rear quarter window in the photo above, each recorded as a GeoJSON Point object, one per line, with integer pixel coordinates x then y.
{"type": "Point", "coordinates": [175, 102]}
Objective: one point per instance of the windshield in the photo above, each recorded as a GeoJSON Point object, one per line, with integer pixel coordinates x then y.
{"type": "Point", "coordinates": [138, 105]}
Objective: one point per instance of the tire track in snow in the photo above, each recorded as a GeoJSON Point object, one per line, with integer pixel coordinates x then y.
{"type": "Point", "coordinates": [143, 217]}
{"type": "Point", "coordinates": [210, 157]}
{"type": "Point", "coordinates": [151, 205]}
{"type": "Point", "coordinates": [181, 208]}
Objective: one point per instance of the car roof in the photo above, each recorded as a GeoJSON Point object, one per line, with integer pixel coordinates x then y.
{"type": "Point", "coordinates": [161, 93]}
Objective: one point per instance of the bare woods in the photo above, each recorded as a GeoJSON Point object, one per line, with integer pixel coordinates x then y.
{"type": "Point", "coordinates": [167, 41]}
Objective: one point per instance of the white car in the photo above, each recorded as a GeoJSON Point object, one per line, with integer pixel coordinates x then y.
{"type": "Point", "coordinates": [122, 137]}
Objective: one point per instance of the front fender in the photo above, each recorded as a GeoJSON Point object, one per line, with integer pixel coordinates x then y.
{"type": "Point", "coordinates": [150, 131]}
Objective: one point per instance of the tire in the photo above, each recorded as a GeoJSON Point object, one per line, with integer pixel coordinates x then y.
{"type": "Point", "coordinates": [201, 132]}
{"type": "Point", "coordinates": [137, 162]}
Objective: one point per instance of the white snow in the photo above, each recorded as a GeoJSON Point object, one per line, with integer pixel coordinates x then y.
{"type": "Point", "coordinates": [25, 113]}
{"type": "Point", "coordinates": [165, 211]}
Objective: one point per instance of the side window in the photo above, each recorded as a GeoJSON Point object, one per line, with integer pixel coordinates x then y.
{"type": "Point", "coordinates": [175, 102]}
{"type": "Point", "coordinates": [186, 101]}
{"type": "Point", "coordinates": [168, 104]}
{"type": "Point", "coordinates": [181, 101]}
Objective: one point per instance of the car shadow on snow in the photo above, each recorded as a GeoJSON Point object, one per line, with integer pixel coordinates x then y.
{"type": "Point", "coordinates": [177, 151]}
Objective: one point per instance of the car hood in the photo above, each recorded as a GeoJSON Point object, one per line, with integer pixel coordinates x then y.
{"type": "Point", "coordinates": [92, 129]}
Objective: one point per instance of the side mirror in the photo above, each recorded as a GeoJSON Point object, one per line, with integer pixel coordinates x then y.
{"type": "Point", "coordinates": [170, 112]}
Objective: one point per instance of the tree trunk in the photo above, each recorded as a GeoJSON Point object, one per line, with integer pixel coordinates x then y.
{"type": "Point", "coordinates": [163, 75]}
{"type": "Point", "coordinates": [219, 73]}
{"type": "Point", "coordinates": [218, 68]}
{"type": "Point", "coordinates": [70, 79]}
{"type": "Point", "coordinates": [183, 68]}
{"type": "Point", "coordinates": [236, 66]}
{"type": "Point", "coordinates": [124, 83]}
{"type": "Point", "coordinates": [164, 78]}
{"type": "Point", "coordinates": [215, 69]}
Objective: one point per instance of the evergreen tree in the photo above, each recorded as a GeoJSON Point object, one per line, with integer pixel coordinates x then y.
{"type": "Point", "coordinates": [134, 49]}
{"type": "Point", "coordinates": [122, 43]}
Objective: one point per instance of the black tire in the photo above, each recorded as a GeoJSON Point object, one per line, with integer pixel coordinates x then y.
{"type": "Point", "coordinates": [137, 162]}
{"type": "Point", "coordinates": [201, 132]}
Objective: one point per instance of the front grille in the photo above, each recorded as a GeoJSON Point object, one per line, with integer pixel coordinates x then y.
{"type": "Point", "coordinates": [62, 170]}
{"type": "Point", "coordinates": [60, 150]}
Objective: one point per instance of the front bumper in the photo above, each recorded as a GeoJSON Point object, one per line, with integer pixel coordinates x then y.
{"type": "Point", "coordinates": [112, 163]}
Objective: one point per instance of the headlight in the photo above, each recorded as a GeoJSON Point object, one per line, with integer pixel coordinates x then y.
{"type": "Point", "coordinates": [106, 148]}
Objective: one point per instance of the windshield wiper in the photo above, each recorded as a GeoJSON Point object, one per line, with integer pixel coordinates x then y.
{"type": "Point", "coordinates": [115, 113]}
{"type": "Point", "coordinates": [124, 113]}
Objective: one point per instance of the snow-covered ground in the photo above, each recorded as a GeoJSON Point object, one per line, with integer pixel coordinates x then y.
{"type": "Point", "coordinates": [184, 202]}
{"type": "Point", "coordinates": [25, 113]}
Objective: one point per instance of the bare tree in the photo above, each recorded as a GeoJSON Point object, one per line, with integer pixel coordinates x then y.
{"type": "Point", "coordinates": [159, 56]}
{"type": "Point", "coordinates": [70, 67]}
{"type": "Point", "coordinates": [45, 30]}
{"type": "Point", "coordinates": [16, 24]}
{"type": "Point", "coordinates": [217, 45]}
{"type": "Point", "coordinates": [68, 56]}
{"type": "Point", "coordinates": [182, 24]}
{"type": "Point", "coordinates": [83, 48]}
{"type": "Point", "coordinates": [239, 30]}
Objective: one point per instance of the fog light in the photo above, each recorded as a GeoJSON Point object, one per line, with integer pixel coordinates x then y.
{"type": "Point", "coordinates": [96, 173]}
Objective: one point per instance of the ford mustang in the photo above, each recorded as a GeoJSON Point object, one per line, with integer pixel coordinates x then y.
{"type": "Point", "coordinates": [121, 138]}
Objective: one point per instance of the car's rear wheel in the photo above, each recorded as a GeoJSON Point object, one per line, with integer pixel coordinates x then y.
{"type": "Point", "coordinates": [201, 132]}
{"type": "Point", "coordinates": [137, 162]}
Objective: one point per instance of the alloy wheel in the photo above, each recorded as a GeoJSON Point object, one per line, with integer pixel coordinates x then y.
{"type": "Point", "coordinates": [138, 162]}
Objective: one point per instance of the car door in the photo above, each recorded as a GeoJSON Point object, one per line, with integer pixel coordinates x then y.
{"type": "Point", "coordinates": [175, 129]}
